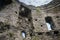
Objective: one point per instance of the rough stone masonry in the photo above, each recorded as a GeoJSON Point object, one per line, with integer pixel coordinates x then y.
{"type": "Point", "coordinates": [17, 18]}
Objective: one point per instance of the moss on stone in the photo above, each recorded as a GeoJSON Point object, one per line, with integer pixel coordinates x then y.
{"type": "Point", "coordinates": [38, 10]}
{"type": "Point", "coordinates": [35, 38]}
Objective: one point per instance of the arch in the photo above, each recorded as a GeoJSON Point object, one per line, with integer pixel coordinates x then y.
{"type": "Point", "coordinates": [23, 34]}
{"type": "Point", "coordinates": [49, 22]}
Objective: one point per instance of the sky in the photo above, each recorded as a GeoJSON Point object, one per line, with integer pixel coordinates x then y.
{"type": "Point", "coordinates": [23, 34]}
{"type": "Point", "coordinates": [48, 26]}
{"type": "Point", "coordinates": [36, 2]}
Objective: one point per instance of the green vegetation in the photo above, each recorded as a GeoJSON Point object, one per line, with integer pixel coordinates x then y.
{"type": "Point", "coordinates": [35, 38]}
{"type": "Point", "coordinates": [38, 9]}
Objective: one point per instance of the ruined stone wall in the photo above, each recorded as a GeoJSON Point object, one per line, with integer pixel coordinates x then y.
{"type": "Point", "coordinates": [16, 18]}
{"type": "Point", "coordinates": [8, 22]}
{"type": "Point", "coordinates": [42, 32]}
{"type": "Point", "coordinates": [38, 21]}
{"type": "Point", "coordinates": [55, 14]}
{"type": "Point", "coordinates": [17, 21]}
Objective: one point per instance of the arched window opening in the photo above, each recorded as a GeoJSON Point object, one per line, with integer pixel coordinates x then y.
{"type": "Point", "coordinates": [23, 34]}
{"type": "Point", "coordinates": [49, 23]}
{"type": "Point", "coordinates": [49, 26]}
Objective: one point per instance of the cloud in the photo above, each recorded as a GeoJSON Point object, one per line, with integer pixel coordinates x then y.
{"type": "Point", "coordinates": [36, 2]}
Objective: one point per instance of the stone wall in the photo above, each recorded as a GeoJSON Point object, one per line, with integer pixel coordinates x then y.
{"type": "Point", "coordinates": [15, 18]}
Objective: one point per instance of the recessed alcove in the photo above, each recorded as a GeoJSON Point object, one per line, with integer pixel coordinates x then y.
{"type": "Point", "coordinates": [24, 11]}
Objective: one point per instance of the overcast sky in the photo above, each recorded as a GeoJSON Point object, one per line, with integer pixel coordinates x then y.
{"type": "Point", "coordinates": [35, 2]}
{"type": "Point", "coordinates": [48, 26]}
